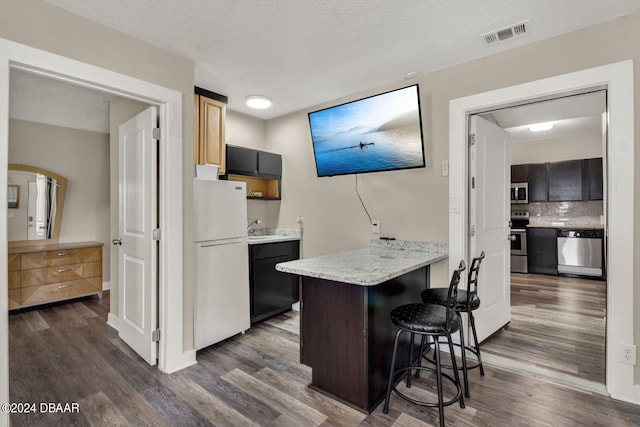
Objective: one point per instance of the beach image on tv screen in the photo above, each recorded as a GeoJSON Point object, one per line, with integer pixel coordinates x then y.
{"type": "Point", "coordinates": [373, 134]}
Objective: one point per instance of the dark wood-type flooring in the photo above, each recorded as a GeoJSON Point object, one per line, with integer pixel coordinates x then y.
{"type": "Point", "coordinates": [557, 323]}
{"type": "Point", "coordinates": [66, 353]}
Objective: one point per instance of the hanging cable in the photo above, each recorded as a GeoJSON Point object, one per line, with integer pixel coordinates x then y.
{"type": "Point", "coordinates": [361, 202]}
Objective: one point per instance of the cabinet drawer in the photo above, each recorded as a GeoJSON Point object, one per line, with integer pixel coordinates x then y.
{"type": "Point", "coordinates": [14, 262]}
{"type": "Point", "coordinates": [13, 279]}
{"type": "Point", "coordinates": [277, 249]}
{"type": "Point", "coordinates": [14, 298]}
{"type": "Point", "coordinates": [59, 291]}
{"type": "Point", "coordinates": [60, 257]}
{"type": "Point", "coordinates": [43, 276]}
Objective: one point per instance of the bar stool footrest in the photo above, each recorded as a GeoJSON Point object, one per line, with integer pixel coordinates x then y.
{"type": "Point", "coordinates": [418, 402]}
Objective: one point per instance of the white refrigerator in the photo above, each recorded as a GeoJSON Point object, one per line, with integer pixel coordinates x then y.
{"type": "Point", "coordinates": [221, 261]}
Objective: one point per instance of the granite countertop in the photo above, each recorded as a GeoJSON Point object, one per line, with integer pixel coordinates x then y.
{"type": "Point", "coordinates": [381, 261]}
{"type": "Point", "coordinates": [273, 235]}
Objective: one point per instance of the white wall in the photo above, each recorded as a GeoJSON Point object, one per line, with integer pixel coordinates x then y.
{"type": "Point", "coordinates": [86, 206]}
{"type": "Point", "coordinates": [583, 146]}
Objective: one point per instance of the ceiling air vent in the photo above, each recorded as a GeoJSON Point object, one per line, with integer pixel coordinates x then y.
{"type": "Point", "coordinates": [511, 32]}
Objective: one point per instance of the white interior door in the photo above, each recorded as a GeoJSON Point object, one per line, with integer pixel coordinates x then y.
{"type": "Point", "coordinates": [489, 214]}
{"type": "Point", "coordinates": [137, 258]}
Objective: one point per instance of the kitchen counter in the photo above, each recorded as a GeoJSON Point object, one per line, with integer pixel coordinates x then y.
{"type": "Point", "coordinates": [381, 261]}
{"type": "Point", "coordinates": [273, 235]}
{"type": "Point", "coordinates": [346, 333]}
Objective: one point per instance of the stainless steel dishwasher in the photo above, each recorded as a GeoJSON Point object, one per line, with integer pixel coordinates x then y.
{"type": "Point", "coordinates": [580, 252]}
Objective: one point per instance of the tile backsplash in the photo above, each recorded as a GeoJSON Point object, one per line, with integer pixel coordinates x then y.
{"type": "Point", "coordinates": [576, 213]}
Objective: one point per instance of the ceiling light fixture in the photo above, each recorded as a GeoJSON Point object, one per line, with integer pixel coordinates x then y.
{"type": "Point", "coordinates": [540, 127]}
{"type": "Point", "coordinates": [258, 101]}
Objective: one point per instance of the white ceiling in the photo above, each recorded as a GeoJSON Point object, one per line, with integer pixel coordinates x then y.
{"type": "Point", "coordinates": [302, 53]}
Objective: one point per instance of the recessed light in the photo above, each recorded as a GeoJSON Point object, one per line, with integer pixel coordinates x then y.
{"type": "Point", "coordinates": [540, 127]}
{"type": "Point", "coordinates": [258, 101]}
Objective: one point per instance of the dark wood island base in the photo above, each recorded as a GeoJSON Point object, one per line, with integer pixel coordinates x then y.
{"type": "Point", "coordinates": [347, 336]}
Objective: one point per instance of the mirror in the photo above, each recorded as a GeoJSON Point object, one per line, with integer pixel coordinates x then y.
{"type": "Point", "coordinates": [39, 213]}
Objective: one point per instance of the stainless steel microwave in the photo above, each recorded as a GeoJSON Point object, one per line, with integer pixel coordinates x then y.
{"type": "Point", "coordinates": [519, 192]}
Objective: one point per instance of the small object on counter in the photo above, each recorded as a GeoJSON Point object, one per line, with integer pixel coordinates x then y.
{"type": "Point", "coordinates": [387, 238]}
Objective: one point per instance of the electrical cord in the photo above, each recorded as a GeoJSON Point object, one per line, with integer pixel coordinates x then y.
{"type": "Point", "coordinates": [361, 202]}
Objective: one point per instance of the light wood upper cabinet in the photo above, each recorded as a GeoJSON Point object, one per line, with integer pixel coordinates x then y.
{"type": "Point", "coordinates": [209, 131]}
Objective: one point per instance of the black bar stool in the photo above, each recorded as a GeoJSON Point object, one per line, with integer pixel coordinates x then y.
{"type": "Point", "coordinates": [427, 320]}
{"type": "Point", "coordinates": [466, 302]}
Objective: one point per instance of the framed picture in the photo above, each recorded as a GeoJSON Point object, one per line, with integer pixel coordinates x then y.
{"type": "Point", "coordinates": [13, 196]}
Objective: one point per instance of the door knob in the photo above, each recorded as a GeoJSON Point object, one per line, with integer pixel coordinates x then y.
{"type": "Point", "coordinates": [511, 237]}
{"type": "Point", "coordinates": [117, 242]}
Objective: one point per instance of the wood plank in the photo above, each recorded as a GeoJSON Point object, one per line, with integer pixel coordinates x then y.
{"type": "Point", "coordinates": [100, 411]}
{"type": "Point", "coordinates": [301, 413]}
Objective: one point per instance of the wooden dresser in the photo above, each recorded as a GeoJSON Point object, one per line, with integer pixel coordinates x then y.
{"type": "Point", "coordinates": [39, 274]}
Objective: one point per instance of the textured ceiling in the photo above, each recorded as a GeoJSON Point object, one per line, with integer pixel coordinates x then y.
{"type": "Point", "coordinates": [302, 52]}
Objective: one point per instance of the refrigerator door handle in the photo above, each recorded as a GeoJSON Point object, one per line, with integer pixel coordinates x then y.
{"type": "Point", "coordinates": [222, 242]}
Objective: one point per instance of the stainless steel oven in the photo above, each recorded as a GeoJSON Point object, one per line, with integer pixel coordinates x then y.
{"type": "Point", "coordinates": [519, 222]}
{"type": "Point", "coordinates": [520, 192]}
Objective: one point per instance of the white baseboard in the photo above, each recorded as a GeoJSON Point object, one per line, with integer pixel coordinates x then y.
{"type": "Point", "coordinates": [295, 306]}
{"type": "Point", "coordinates": [112, 320]}
{"type": "Point", "coordinates": [106, 286]}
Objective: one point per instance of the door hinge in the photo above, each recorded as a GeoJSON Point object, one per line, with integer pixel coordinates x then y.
{"type": "Point", "coordinates": [472, 230]}
{"type": "Point", "coordinates": [156, 234]}
{"type": "Point", "coordinates": [155, 335]}
{"type": "Point", "coordinates": [155, 133]}
{"type": "Point", "coordinates": [472, 139]}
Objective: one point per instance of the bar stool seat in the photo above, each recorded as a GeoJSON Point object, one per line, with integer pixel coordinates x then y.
{"type": "Point", "coordinates": [427, 320]}
{"type": "Point", "coordinates": [439, 296]}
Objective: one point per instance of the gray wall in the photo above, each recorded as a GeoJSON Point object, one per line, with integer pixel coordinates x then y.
{"type": "Point", "coordinates": [39, 24]}
{"type": "Point", "coordinates": [86, 205]}
{"type": "Point", "coordinates": [414, 204]}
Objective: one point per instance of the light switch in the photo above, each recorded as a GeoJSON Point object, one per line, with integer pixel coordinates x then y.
{"type": "Point", "coordinates": [445, 168]}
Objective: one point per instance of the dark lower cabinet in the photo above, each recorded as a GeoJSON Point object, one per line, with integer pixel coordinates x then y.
{"type": "Point", "coordinates": [542, 250]}
{"type": "Point", "coordinates": [271, 291]}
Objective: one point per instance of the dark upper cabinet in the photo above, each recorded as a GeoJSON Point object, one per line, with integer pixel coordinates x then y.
{"type": "Point", "coordinates": [269, 163]}
{"type": "Point", "coordinates": [519, 173]}
{"type": "Point", "coordinates": [592, 179]}
{"type": "Point", "coordinates": [565, 181]}
{"type": "Point", "coordinates": [247, 161]}
{"type": "Point", "coordinates": [241, 160]}
{"type": "Point", "coordinates": [538, 182]}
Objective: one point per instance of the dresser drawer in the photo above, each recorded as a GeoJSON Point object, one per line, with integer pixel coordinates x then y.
{"type": "Point", "coordinates": [13, 280]}
{"type": "Point", "coordinates": [60, 257]}
{"type": "Point", "coordinates": [59, 291]}
{"type": "Point", "coordinates": [14, 262]}
{"type": "Point", "coordinates": [14, 298]}
{"type": "Point", "coordinates": [43, 276]}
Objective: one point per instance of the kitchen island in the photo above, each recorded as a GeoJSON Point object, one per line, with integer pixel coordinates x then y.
{"type": "Point", "coordinates": [346, 334]}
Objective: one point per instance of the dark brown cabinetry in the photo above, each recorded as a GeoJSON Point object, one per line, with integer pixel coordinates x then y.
{"type": "Point", "coordinates": [271, 291]}
{"type": "Point", "coordinates": [571, 180]}
{"type": "Point", "coordinates": [565, 181]}
{"type": "Point", "coordinates": [542, 250]}
{"type": "Point", "coordinates": [260, 170]}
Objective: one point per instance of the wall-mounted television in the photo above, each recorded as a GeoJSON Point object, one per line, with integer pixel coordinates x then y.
{"type": "Point", "coordinates": [379, 133]}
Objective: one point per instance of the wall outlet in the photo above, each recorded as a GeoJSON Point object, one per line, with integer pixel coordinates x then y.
{"type": "Point", "coordinates": [628, 354]}
{"type": "Point", "coordinates": [375, 226]}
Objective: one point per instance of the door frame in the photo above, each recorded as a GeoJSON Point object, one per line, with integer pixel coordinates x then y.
{"type": "Point", "coordinates": [618, 79]}
{"type": "Point", "coordinates": [169, 102]}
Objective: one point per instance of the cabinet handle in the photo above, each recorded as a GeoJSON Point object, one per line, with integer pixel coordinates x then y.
{"type": "Point", "coordinates": [64, 286]}
{"type": "Point", "coordinates": [64, 253]}
{"type": "Point", "coordinates": [64, 270]}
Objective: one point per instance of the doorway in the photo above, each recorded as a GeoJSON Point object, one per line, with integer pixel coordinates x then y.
{"type": "Point", "coordinates": [557, 321]}
{"type": "Point", "coordinates": [618, 79]}
{"type": "Point", "coordinates": [169, 102]}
